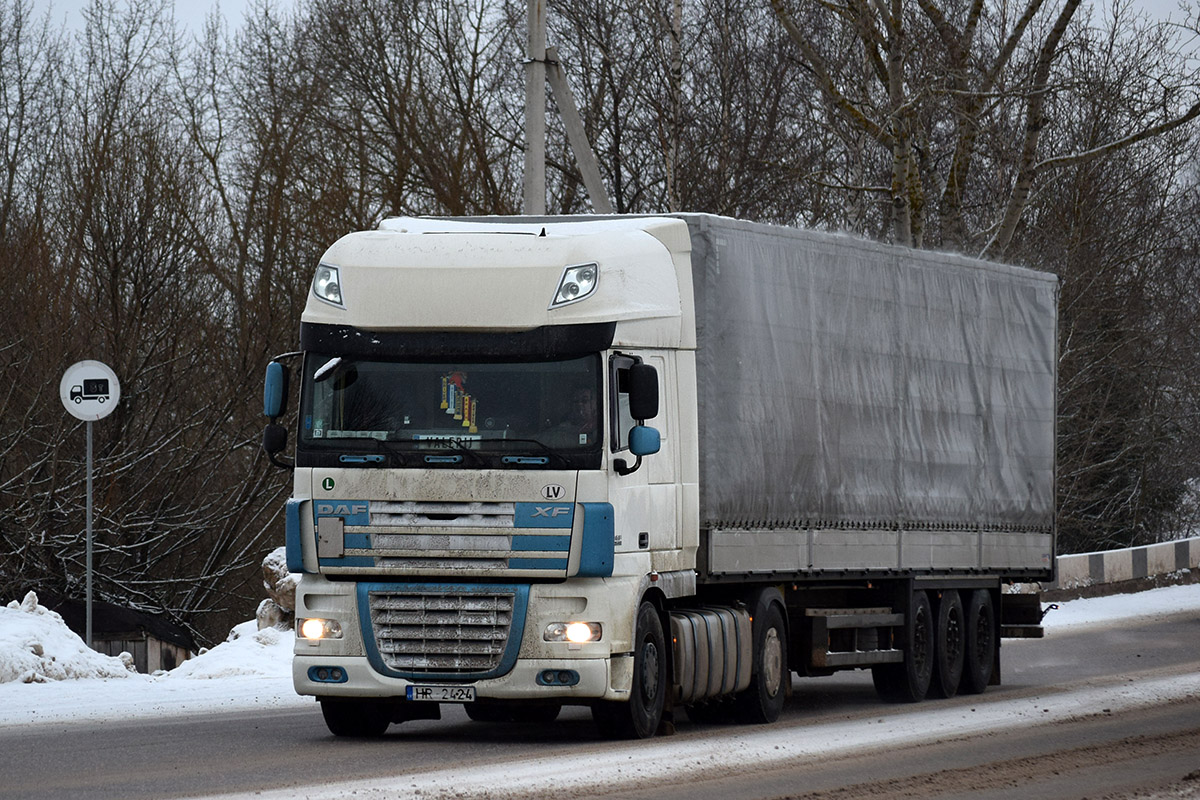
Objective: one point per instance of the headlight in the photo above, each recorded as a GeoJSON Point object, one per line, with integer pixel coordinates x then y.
{"type": "Point", "coordinates": [573, 632]}
{"type": "Point", "coordinates": [577, 283]}
{"type": "Point", "coordinates": [327, 285]}
{"type": "Point", "coordinates": [314, 629]}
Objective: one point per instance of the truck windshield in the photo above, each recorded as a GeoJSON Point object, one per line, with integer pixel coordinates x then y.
{"type": "Point", "coordinates": [466, 414]}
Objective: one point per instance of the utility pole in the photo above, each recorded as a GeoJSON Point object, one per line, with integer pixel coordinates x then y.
{"type": "Point", "coordinates": [541, 63]}
{"type": "Point", "coordinates": [535, 110]}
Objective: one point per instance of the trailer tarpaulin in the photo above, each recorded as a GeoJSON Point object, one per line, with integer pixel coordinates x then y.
{"type": "Point", "coordinates": [846, 382]}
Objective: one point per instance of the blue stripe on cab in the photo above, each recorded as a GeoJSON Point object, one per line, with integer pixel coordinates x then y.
{"type": "Point", "coordinates": [597, 549]}
{"type": "Point", "coordinates": [537, 563]}
{"type": "Point", "coordinates": [291, 535]}
{"type": "Point", "coordinates": [543, 515]}
{"type": "Point", "coordinates": [356, 541]}
{"type": "Point", "coordinates": [555, 543]}
{"type": "Point", "coordinates": [348, 561]}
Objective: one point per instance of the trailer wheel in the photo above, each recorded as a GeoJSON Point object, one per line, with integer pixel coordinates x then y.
{"type": "Point", "coordinates": [908, 681]}
{"type": "Point", "coordinates": [640, 717]}
{"type": "Point", "coordinates": [356, 718]}
{"type": "Point", "coordinates": [949, 646]}
{"type": "Point", "coordinates": [763, 701]}
{"type": "Point", "coordinates": [980, 655]}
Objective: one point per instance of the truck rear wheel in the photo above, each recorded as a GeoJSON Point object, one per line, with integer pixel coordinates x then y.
{"type": "Point", "coordinates": [949, 646]}
{"type": "Point", "coordinates": [980, 653]}
{"type": "Point", "coordinates": [763, 701]}
{"type": "Point", "coordinates": [640, 717]}
{"type": "Point", "coordinates": [355, 718]}
{"type": "Point", "coordinates": [908, 681]}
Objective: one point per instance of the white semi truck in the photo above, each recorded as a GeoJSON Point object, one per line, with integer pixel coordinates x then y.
{"type": "Point", "coordinates": [652, 463]}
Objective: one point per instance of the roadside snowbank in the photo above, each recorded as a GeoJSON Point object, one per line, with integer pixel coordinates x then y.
{"type": "Point", "coordinates": [47, 674]}
{"type": "Point", "coordinates": [36, 646]}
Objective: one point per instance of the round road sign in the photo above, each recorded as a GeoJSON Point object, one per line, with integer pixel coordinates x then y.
{"type": "Point", "coordinates": [89, 390]}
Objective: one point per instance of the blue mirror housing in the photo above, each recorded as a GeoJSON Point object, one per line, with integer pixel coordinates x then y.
{"type": "Point", "coordinates": [644, 441]}
{"type": "Point", "coordinates": [274, 390]}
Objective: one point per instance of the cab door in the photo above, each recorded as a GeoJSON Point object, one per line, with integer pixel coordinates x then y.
{"type": "Point", "coordinates": [646, 500]}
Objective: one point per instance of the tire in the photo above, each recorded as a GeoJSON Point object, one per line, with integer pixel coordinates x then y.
{"type": "Point", "coordinates": [640, 717]}
{"type": "Point", "coordinates": [980, 651]}
{"type": "Point", "coordinates": [949, 646]}
{"type": "Point", "coordinates": [908, 681]}
{"type": "Point", "coordinates": [763, 700]}
{"type": "Point", "coordinates": [355, 718]}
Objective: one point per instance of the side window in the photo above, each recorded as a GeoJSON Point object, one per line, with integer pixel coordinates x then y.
{"type": "Point", "coordinates": [622, 422]}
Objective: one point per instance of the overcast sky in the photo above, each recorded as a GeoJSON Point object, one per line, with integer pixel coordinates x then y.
{"type": "Point", "coordinates": [192, 12]}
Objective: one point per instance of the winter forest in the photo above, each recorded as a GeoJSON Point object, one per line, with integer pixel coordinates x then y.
{"type": "Point", "coordinates": [165, 195]}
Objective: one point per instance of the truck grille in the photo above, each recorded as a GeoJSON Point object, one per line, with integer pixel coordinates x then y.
{"type": "Point", "coordinates": [430, 631]}
{"type": "Point", "coordinates": [489, 539]}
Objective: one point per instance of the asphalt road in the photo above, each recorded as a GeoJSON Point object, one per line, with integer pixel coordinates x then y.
{"type": "Point", "coordinates": [1142, 752]}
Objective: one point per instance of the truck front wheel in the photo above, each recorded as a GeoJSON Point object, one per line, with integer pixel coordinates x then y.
{"type": "Point", "coordinates": [356, 718]}
{"type": "Point", "coordinates": [640, 717]}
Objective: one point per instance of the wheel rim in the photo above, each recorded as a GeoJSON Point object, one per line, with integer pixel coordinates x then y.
{"type": "Point", "coordinates": [920, 644]}
{"type": "Point", "coordinates": [983, 636]}
{"type": "Point", "coordinates": [649, 672]}
{"type": "Point", "coordinates": [954, 636]}
{"type": "Point", "coordinates": [772, 664]}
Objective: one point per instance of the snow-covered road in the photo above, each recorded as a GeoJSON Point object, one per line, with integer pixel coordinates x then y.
{"type": "Point", "coordinates": [252, 672]}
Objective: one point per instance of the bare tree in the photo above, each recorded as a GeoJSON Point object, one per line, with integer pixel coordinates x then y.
{"type": "Point", "coordinates": [941, 76]}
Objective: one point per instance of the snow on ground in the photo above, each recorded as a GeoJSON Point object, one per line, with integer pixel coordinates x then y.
{"type": "Point", "coordinates": [1097, 611]}
{"type": "Point", "coordinates": [48, 675]}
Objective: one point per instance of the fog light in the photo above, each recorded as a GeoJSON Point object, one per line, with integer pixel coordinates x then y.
{"type": "Point", "coordinates": [315, 629]}
{"type": "Point", "coordinates": [573, 632]}
{"type": "Point", "coordinates": [327, 674]}
{"type": "Point", "coordinates": [560, 677]}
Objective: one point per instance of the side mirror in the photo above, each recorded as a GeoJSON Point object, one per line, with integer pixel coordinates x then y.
{"type": "Point", "coordinates": [274, 442]}
{"type": "Point", "coordinates": [274, 439]}
{"type": "Point", "coordinates": [643, 392]}
{"type": "Point", "coordinates": [275, 390]}
{"type": "Point", "coordinates": [644, 441]}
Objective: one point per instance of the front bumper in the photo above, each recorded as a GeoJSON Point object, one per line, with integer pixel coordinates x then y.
{"type": "Point", "coordinates": [352, 666]}
{"type": "Point", "coordinates": [520, 683]}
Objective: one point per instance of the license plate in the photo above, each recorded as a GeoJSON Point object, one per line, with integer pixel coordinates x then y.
{"type": "Point", "coordinates": [441, 694]}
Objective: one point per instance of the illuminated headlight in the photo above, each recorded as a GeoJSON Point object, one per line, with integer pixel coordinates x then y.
{"type": "Point", "coordinates": [327, 285]}
{"type": "Point", "coordinates": [577, 283]}
{"type": "Point", "coordinates": [573, 632]}
{"type": "Point", "coordinates": [314, 629]}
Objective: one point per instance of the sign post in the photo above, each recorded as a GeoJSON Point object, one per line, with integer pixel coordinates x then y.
{"type": "Point", "coordinates": [89, 390]}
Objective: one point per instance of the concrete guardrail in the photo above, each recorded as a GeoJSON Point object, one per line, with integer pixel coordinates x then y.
{"type": "Point", "coordinates": [1115, 566]}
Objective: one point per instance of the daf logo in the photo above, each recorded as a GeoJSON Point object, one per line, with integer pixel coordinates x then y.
{"type": "Point", "coordinates": [551, 511]}
{"type": "Point", "coordinates": [341, 509]}
{"type": "Point", "coordinates": [553, 492]}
